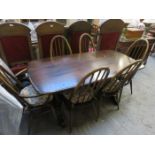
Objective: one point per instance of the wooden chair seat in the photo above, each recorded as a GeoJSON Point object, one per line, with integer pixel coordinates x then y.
{"type": "Point", "coordinates": [35, 100]}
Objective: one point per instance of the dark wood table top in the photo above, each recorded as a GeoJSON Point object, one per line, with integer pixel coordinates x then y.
{"type": "Point", "coordinates": [61, 73]}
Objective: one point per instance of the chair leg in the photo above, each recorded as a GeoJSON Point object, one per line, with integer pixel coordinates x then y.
{"type": "Point", "coordinates": [95, 110]}
{"type": "Point", "coordinates": [53, 112]}
{"type": "Point", "coordinates": [30, 124]}
{"type": "Point", "coordinates": [98, 110]}
{"type": "Point", "coordinates": [70, 120]}
{"type": "Point", "coordinates": [131, 86]}
{"type": "Point", "coordinates": [118, 97]}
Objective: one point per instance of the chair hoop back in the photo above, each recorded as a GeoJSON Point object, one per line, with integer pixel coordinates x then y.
{"type": "Point", "coordinates": [59, 46]}
{"type": "Point", "coordinates": [138, 49]}
{"type": "Point", "coordinates": [89, 85]}
{"type": "Point", "coordinates": [122, 77]}
{"type": "Point", "coordinates": [86, 43]}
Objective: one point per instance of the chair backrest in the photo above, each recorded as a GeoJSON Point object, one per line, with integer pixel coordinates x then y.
{"type": "Point", "coordinates": [59, 46]}
{"type": "Point", "coordinates": [89, 85]}
{"type": "Point", "coordinates": [110, 32]}
{"type": "Point", "coordinates": [117, 82]}
{"type": "Point", "coordinates": [86, 43]}
{"type": "Point", "coordinates": [15, 43]}
{"type": "Point", "coordinates": [74, 32]}
{"type": "Point", "coordinates": [45, 32]}
{"type": "Point", "coordinates": [138, 49]}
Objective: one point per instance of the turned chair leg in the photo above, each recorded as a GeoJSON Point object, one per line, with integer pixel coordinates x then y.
{"type": "Point", "coordinates": [131, 86]}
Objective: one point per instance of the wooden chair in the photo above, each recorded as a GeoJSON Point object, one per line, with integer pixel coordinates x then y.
{"type": "Point", "coordinates": [85, 92]}
{"type": "Point", "coordinates": [30, 99]}
{"type": "Point", "coordinates": [86, 43]}
{"type": "Point", "coordinates": [110, 32]}
{"type": "Point", "coordinates": [59, 46]}
{"type": "Point", "coordinates": [115, 85]}
{"type": "Point", "coordinates": [15, 45]}
{"type": "Point", "coordinates": [138, 50]}
{"type": "Point", "coordinates": [74, 32]}
{"type": "Point", "coordinates": [45, 32]}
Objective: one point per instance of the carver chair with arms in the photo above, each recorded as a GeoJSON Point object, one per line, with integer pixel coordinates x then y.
{"type": "Point", "coordinates": [115, 85]}
{"type": "Point", "coordinates": [30, 99]}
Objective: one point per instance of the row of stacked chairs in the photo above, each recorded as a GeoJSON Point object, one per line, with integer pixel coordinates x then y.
{"type": "Point", "coordinates": [16, 44]}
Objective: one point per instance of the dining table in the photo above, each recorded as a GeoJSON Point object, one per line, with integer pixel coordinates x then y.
{"type": "Point", "coordinates": [57, 74]}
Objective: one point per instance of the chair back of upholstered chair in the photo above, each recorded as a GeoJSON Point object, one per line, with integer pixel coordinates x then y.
{"type": "Point", "coordinates": [45, 32]}
{"type": "Point", "coordinates": [118, 81]}
{"type": "Point", "coordinates": [74, 32]}
{"type": "Point", "coordinates": [15, 43]}
{"type": "Point", "coordinates": [89, 85]}
{"type": "Point", "coordinates": [138, 49]}
{"type": "Point", "coordinates": [110, 32]}
{"type": "Point", "coordinates": [86, 43]}
{"type": "Point", "coordinates": [59, 46]}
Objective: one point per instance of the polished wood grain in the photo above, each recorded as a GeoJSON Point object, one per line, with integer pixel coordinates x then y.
{"type": "Point", "coordinates": [61, 73]}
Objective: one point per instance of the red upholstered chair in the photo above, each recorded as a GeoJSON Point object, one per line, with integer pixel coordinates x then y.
{"type": "Point", "coordinates": [110, 32]}
{"type": "Point", "coordinates": [75, 31]}
{"type": "Point", "coordinates": [15, 45]}
{"type": "Point", "coordinates": [45, 32]}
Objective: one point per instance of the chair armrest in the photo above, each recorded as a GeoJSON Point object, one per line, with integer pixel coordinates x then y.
{"type": "Point", "coordinates": [21, 72]}
{"type": "Point", "coordinates": [33, 96]}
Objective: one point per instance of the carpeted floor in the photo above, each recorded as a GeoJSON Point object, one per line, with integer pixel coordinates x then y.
{"type": "Point", "coordinates": [136, 114]}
